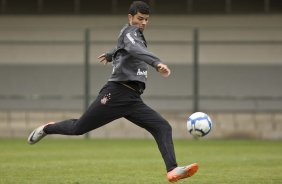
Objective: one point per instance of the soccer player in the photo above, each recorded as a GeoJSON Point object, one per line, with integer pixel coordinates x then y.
{"type": "Point", "coordinates": [121, 95]}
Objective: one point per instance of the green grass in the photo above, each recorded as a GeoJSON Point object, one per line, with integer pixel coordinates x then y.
{"type": "Point", "coordinates": [78, 161]}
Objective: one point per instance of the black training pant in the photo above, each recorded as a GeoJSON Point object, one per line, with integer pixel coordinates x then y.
{"type": "Point", "coordinates": [115, 101]}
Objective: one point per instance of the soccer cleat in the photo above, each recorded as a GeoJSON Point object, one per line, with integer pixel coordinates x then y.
{"type": "Point", "coordinates": [37, 134]}
{"type": "Point", "coordinates": [182, 172]}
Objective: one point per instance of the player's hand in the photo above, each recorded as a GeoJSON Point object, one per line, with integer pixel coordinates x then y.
{"type": "Point", "coordinates": [163, 69]}
{"type": "Point", "coordinates": [102, 59]}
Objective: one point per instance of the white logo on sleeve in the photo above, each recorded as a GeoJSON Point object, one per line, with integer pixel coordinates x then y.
{"type": "Point", "coordinates": [144, 72]}
{"type": "Point", "coordinates": [130, 38]}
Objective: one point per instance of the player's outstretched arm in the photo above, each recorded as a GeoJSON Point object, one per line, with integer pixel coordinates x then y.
{"type": "Point", "coordinates": [103, 59]}
{"type": "Point", "coordinates": [107, 57]}
{"type": "Point", "coordinates": [163, 69]}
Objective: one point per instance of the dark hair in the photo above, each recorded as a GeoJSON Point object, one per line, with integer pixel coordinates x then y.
{"type": "Point", "coordinates": [139, 6]}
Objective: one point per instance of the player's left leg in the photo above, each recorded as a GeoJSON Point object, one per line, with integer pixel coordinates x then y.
{"type": "Point", "coordinates": [182, 172]}
{"type": "Point", "coordinates": [161, 130]}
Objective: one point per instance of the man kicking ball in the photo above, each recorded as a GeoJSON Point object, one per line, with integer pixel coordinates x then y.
{"type": "Point", "coordinates": [121, 95]}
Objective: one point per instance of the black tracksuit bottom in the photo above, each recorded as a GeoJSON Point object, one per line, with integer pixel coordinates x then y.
{"type": "Point", "coordinates": [115, 101]}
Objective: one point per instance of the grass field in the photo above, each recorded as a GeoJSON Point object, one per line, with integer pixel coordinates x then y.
{"type": "Point", "coordinates": [78, 161]}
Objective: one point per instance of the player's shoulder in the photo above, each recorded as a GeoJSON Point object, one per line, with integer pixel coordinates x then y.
{"type": "Point", "coordinates": [131, 29]}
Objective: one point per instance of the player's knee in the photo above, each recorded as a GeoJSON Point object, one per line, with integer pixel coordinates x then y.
{"type": "Point", "coordinates": [77, 131]}
{"type": "Point", "coordinates": [166, 127]}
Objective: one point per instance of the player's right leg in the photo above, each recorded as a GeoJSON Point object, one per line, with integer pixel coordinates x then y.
{"type": "Point", "coordinates": [98, 114]}
{"type": "Point", "coordinates": [108, 106]}
{"type": "Point", "coordinates": [37, 134]}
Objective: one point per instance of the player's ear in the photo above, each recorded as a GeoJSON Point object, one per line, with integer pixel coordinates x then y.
{"type": "Point", "coordinates": [130, 17]}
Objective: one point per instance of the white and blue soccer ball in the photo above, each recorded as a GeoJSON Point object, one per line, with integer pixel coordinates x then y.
{"type": "Point", "coordinates": [199, 124]}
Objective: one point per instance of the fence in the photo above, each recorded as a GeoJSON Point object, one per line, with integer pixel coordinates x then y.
{"type": "Point", "coordinates": [218, 70]}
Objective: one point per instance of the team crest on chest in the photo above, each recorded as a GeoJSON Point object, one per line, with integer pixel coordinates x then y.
{"type": "Point", "coordinates": [106, 98]}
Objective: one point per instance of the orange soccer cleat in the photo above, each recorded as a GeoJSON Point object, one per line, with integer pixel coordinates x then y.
{"type": "Point", "coordinates": [182, 172]}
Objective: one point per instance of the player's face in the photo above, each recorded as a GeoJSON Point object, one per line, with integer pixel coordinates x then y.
{"type": "Point", "coordinates": [140, 20]}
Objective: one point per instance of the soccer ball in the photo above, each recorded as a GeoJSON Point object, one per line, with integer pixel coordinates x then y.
{"type": "Point", "coordinates": [199, 124]}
